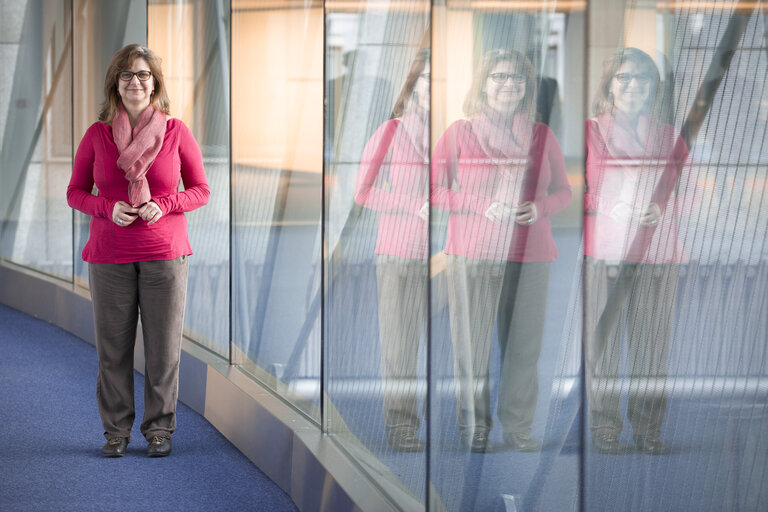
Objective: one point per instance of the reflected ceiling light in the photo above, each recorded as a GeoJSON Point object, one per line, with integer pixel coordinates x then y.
{"type": "Point", "coordinates": [411, 5]}
{"type": "Point", "coordinates": [529, 5]}
{"type": "Point", "coordinates": [694, 5]}
{"type": "Point", "coordinates": [378, 5]}
{"type": "Point", "coordinates": [275, 5]}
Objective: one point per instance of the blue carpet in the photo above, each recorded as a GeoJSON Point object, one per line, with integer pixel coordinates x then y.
{"type": "Point", "coordinates": [50, 453]}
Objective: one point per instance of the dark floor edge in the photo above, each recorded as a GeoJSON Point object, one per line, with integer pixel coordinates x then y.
{"type": "Point", "coordinates": [286, 446]}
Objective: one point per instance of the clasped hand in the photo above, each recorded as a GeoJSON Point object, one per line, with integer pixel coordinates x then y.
{"type": "Point", "coordinates": [525, 214]}
{"type": "Point", "coordinates": [124, 214]}
{"type": "Point", "coordinates": [623, 212]}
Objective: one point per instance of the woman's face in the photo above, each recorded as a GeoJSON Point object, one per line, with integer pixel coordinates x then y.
{"type": "Point", "coordinates": [630, 88]}
{"type": "Point", "coordinates": [136, 94]}
{"type": "Point", "coordinates": [421, 87]}
{"type": "Point", "coordinates": [504, 87]}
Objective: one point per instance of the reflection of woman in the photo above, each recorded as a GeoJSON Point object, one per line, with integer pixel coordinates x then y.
{"type": "Point", "coordinates": [501, 177]}
{"type": "Point", "coordinates": [393, 180]}
{"type": "Point", "coordinates": [138, 247]}
{"type": "Point", "coordinates": [625, 204]}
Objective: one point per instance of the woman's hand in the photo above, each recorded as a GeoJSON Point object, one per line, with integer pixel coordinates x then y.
{"type": "Point", "coordinates": [651, 216]}
{"type": "Point", "coordinates": [527, 214]}
{"type": "Point", "coordinates": [424, 211]}
{"type": "Point", "coordinates": [150, 212]}
{"type": "Point", "coordinates": [622, 212]}
{"type": "Point", "coordinates": [124, 214]}
{"type": "Point", "coordinates": [499, 212]}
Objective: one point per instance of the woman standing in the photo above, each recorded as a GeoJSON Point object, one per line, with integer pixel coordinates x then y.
{"type": "Point", "coordinates": [137, 248]}
{"type": "Point", "coordinates": [630, 242]}
{"type": "Point", "coordinates": [394, 181]}
{"type": "Point", "coordinates": [501, 176]}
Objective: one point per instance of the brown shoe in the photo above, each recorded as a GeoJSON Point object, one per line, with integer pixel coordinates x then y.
{"type": "Point", "coordinates": [521, 442]}
{"type": "Point", "coordinates": [478, 443]}
{"type": "Point", "coordinates": [607, 442]}
{"type": "Point", "coordinates": [651, 445]}
{"type": "Point", "coordinates": [406, 442]}
{"type": "Point", "coordinates": [115, 447]}
{"type": "Point", "coordinates": [159, 447]}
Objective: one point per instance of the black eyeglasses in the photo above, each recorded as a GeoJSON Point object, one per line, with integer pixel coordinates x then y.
{"type": "Point", "coordinates": [127, 76]}
{"type": "Point", "coordinates": [501, 78]}
{"type": "Point", "coordinates": [625, 78]}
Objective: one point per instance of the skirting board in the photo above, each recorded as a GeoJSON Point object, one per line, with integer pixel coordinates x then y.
{"type": "Point", "coordinates": [286, 446]}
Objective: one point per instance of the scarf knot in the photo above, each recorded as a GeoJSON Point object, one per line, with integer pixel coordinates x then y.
{"type": "Point", "coordinates": [643, 139]}
{"type": "Point", "coordinates": [506, 142]}
{"type": "Point", "coordinates": [138, 148]}
{"type": "Point", "coordinates": [414, 125]}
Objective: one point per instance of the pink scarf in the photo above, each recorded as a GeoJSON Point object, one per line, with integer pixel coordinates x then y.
{"type": "Point", "coordinates": [506, 141]}
{"type": "Point", "coordinates": [415, 124]}
{"type": "Point", "coordinates": [503, 137]}
{"type": "Point", "coordinates": [648, 140]}
{"type": "Point", "coordinates": [138, 148]}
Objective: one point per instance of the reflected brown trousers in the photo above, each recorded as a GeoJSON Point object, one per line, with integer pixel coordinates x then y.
{"type": "Point", "coordinates": [647, 318]}
{"type": "Point", "coordinates": [121, 293]}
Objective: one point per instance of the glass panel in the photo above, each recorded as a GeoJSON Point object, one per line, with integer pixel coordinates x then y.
{"type": "Point", "coordinates": [376, 238]}
{"type": "Point", "coordinates": [99, 31]}
{"type": "Point", "coordinates": [192, 38]}
{"type": "Point", "coordinates": [506, 188]}
{"type": "Point", "coordinates": [277, 90]}
{"type": "Point", "coordinates": [676, 257]}
{"type": "Point", "coordinates": [36, 151]}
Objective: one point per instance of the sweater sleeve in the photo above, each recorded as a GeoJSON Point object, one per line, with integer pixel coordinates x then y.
{"type": "Point", "coordinates": [80, 190]}
{"type": "Point", "coordinates": [559, 191]}
{"type": "Point", "coordinates": [196, 192]}
{"type": "Point", "coordinates": [671, 174]}
{"type": "Point", "coordinates": [368, 192]}
{"type": "Point", "coordinates": [445, 163]}
{"type": "Point", "coordinates": [593, 202]}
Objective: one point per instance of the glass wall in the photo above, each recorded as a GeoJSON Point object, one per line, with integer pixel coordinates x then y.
{"type": "Point", "coordinates": [687, 130]}
{"type": "Point", "coordinates": [277, 119]}
{"type": "Point", "coordinates": [507, 255]}
{"type": "Point", "coordinates": [36, 137]}
{"type": "Point", "coordinates": [505, 243]}
{"type": "Point", "coordinates": [192, 39]}
{"type": "Point", "coordinates": [377, 153]}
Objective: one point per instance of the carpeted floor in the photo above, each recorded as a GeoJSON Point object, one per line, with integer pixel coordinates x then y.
{"type": "Point", "coordinates": [50, 458]}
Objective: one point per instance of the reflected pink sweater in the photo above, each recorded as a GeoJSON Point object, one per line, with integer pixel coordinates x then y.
{"type": "Point", "coordinates": [394, 180]}
{"type": "Point", "coordinates": [626, 165]}
{"type": "Point", "coordinates": [465, 181]}
{"type": "Point", "coordinates": [96, 163]}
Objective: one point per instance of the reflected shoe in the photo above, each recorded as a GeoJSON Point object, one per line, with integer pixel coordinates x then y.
{"type": "Point", "coordinates": [159, 447]}
{"type": "Point", "coordinates": [115, 447]}
{"type": "Point", "coordinates": [521, 442]}
{"type": "Point", "coordinates": [478, 443]}
{"type": "Point", "coordinates": [607, 442]}
{"type": "Point", "coordinates": [406, 442]}
{"type": "Point", "coordinates": [651, 445]}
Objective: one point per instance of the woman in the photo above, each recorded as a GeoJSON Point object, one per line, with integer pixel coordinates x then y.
{"type": "Point", "coordinates": [630, 243]}
{"type": "Point", "coordinates": [138, 246]}
{"type": "Point", "coordinates": [501, 176]}
{"type": "Point", "coordinates": [394, 181]}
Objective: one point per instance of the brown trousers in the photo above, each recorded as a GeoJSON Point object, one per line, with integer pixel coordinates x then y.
{"type": "Point", "coordinates": [514, 294]}
{"type": "Point", "coordinates": [402, 298]}
{"type": "Point", "coordinates": [156, 291]}
{"type": "Point", "coordinates": [648, 321]}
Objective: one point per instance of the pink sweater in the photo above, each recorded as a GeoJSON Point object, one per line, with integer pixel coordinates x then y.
{"type": "Point", "coordinates": [625, 165]}
{"type": "Point", "coordinates": [96, 163]}
{"type": "Point", "coordinates": [466, 181]}
{"type": "Point", "coordinates": [393, 180]}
